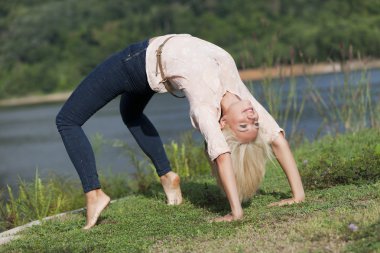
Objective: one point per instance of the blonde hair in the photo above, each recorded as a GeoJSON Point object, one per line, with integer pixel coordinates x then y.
{"type": "Point", "coordinates": [248, 163]}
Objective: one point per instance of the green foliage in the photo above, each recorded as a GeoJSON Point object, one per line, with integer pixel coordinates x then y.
{"type": "Point", "coordinates": [40, 198]}
{"type": "Point", "coordinates": [144, 174]}
{"type": "Point", "coordinates": [36, 200]}
{"type": "Point", "coordinates": [51, 45]}
{"type": "Point", "coordinates": [345, 159]}
{"type": "Point", "coordinates": [121, 185]}
{"type": "Point", "coordinates": [116, 185]}
{"type": "Point", "coordinates": [187, 157]}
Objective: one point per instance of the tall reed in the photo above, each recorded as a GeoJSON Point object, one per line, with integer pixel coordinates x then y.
{"type": "Point", "coordinates": [40, 198]}
{"type": "Point", "coordinates": [348, 106]}
{"type": "Point", "coordinates": [36, 200]}
{"type": "Point", "coordinates": [187, 157]}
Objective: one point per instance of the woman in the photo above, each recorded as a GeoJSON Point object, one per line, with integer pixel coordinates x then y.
{"type": "Point", "coordinates": [219, 102]}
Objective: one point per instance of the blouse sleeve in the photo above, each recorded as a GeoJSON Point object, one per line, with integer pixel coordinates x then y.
{"type": "Point", "coordinates": [205, 119]}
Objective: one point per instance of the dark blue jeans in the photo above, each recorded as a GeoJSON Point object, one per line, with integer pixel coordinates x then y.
{"type": "Point", "coordinates": [121, 74]}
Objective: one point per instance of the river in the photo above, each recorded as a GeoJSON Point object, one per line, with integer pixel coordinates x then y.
{"type": "Point", "coordinates": [29, 139]}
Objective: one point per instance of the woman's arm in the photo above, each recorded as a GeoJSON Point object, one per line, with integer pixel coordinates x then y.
{"type": "Point", "coordinates": [228, 181]}
{"type": "Point", "coordinates": [285, 157]}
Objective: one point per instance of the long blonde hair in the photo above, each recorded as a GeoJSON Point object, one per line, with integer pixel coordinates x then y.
{"type": "Point", "coordinates": [248, 163]}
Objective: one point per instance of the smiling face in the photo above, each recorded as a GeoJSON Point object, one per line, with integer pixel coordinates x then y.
{"type": "Point", "coordinates": [242, 119]}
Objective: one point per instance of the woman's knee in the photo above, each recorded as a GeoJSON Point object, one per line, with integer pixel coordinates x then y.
{"type": "Point", "coordinates": [130, 119]}
{"type": "Point", "coordinates": [132, 107]}
{"type": "Point", "coordinates": [62, 121]}
{"type": "Point", "coordinates": [129, 115]}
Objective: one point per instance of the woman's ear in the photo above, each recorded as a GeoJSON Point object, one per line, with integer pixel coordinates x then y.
{"type": "Point", "coordinates": [223, 122]}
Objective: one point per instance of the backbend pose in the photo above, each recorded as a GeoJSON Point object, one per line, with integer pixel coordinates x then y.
{"type": "Point", "coordinates": [240, 134]}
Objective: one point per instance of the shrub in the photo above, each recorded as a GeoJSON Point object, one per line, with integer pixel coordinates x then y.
{"type": "Point", "coordinates": [345, 159]}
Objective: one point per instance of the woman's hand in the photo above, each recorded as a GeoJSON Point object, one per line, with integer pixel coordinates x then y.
{"type": "Point", "coordinates": [284, 202]}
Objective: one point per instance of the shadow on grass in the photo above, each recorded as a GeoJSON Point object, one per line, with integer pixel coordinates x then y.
{"type": "Point", "coordinates": [276, 195]}
{"type": "Point", "coordinates": [200, 194]}
{"type": "Point", "coordinates": [207, 195]}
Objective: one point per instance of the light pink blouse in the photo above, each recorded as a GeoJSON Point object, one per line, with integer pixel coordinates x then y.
{"type": "Point", "coordinates": [204, 72]}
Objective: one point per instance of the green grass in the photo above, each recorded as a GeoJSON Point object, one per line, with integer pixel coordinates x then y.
{"type": "Point", "coordinates": [143, 222]}
{"type": "Point", "coordinates": [338, 216]}
{"type": "Point", "coordinates": [351, 158]}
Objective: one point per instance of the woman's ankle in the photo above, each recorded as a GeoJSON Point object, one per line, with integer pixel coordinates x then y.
{"type": "Point", "coordinates": [96, 194]}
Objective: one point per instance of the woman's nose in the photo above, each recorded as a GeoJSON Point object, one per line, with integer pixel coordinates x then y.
{"type": "Point", "coordinates": [251, 116]}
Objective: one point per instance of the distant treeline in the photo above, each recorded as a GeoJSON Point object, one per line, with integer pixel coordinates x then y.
{"type": "Point", "coordinates": [50, 45]}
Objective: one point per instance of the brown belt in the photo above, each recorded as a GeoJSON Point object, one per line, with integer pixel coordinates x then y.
{"type": "Point", "coordinates": [165, 80]}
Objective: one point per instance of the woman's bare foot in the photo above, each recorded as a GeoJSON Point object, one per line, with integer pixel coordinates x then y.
{"type": "Point", "coordinates": [171, 184]}
{"type": "Point", "coordinates": [96, 201]}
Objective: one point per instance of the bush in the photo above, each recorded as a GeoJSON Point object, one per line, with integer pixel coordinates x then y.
{"type": "Point", "coordinates": [345, 159]}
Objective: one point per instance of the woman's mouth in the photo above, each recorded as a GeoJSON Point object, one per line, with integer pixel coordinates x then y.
{"type": "Point", "coordinates": [249, 109]}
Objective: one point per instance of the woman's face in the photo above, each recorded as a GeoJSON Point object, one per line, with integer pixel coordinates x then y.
{"type": "Point", "coordinates": [242, 119]}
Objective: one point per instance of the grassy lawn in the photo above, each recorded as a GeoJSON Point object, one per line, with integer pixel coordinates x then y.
{"type": "Point", "coordinates": [144, 223]}
{"type": "Point", "coordinates": [341, 212]}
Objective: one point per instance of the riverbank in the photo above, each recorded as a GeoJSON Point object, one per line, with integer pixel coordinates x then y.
{"type": "Point", "coordinates": [246, 75]}
{"type": "Point", "coordinates": [307, 69]}
{"type": "Point", "coordinates": [35, 99]}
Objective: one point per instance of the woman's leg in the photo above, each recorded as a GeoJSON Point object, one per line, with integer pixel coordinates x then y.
{"type": "Point", "coordinates": [103, 84]}
{"type": "Point", "coordinates": [95, 91]}
{"type": "Point", "coordinates": [122, 72]}
{"type": "Point", "coordinates": [145, 134]}
{"type": "Point", "coordinates": [147, 137]}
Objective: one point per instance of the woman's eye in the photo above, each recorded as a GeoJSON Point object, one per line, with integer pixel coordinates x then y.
{"type": "Point", "coordinates": [257, 124]}
{"type": "Point", "coordinates": [243, 126]}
